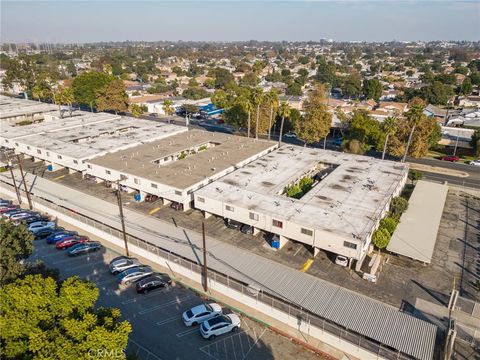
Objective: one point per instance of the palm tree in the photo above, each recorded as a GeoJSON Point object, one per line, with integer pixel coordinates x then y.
{"type": "Point", "coordinates": [257, 99]}
{"type": "Point", "coordinates": [414, 117]}
{"type": "Point", "coordinates": [245, 102]}
{"type": "Point", "coordinates": [271, 98]}
{"type": "Point", "coordinates": [389, 127]}
{"type": "Point", "coordinates": [283, 111]}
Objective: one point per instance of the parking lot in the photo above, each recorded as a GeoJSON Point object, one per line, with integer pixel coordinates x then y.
{"type": "Point", "coordinates": [158, 331]}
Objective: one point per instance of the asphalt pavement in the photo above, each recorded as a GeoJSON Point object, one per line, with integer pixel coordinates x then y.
{"type": "Point", "coordinates": [157, 329]}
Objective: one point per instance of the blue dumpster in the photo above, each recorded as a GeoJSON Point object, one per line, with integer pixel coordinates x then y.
{"type": "Point", "coordinates": [276, 244]}
{"type": "Point", "coordinates": [137, 197]}
{"type": "Point", "coordinates": [50, 167]}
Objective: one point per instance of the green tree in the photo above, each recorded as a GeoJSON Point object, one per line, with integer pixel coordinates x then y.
{"type": "Point", "coordinates": [389, 127]}
{"type": "Point", "coordinates": [466, 88]}
{"type": "Point", "coordinates": [414, 175]}
{"type": "Point", "coordinates": [86, 85]}
{"type": "Point", "coordinates": [381, 238]}
{"type": "Point", "coordinates": [398, 206]}
{"type": "Point", "coordinates": [223, 78]}
{"type": "Point", "coordinates": [41, 319]}
{"type": "Point", "coordinates": [257, 98]}
{"type": "Point", "coordinates": [283, 112]}
{"type": "Point", "coordinates": [372, 89]}
{"type": "Point", "coordinates": [16, 244]}
{"type": "Point", "coordinates": [195, 93]}
{"type": "Point", "coordinates": [168, 108]}
{"type": "Point", "coordinates": [315, 124]}
{"type": "Point", "coordinates": [389, 223]}
{"type": "Point", "coordinates": [352, 85]}
{"type": "Point", "coordinates": [112, 97]}
{"type": "Point", "coordinates": [294, 89]}
{"type": "Point", "coordinates": [137, 110]}
{"type": "Point", "coordinates": [250, 79]}
{"type": "Point", "coordinates": [271, 99]}
{"type": "Point", "coordinates": [65, 96]}
{"type": "Point", "coordinates": [363, 128]}
{"type": "Point", "coordinates": [475, 142]}
{"type": "Point", "coordinates": [414, 117]}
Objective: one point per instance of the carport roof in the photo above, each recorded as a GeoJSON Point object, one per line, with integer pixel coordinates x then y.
{"type": "Point", "coordinates": [416, 234]}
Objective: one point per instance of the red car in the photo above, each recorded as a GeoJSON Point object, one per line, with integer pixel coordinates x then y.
{"type": "Point", "coordinates": [65, 244]}
{"type": "Point", "coordinates": [8, 208]}
{"type": "Point", "coordinates": [451, 158]}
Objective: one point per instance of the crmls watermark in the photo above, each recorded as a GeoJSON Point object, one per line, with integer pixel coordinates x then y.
{"type": "Point", "coordinates": [106, 354]}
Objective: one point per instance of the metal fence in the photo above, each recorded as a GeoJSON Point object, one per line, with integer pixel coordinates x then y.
{"type": "Point", "coordinates": [292, 310]}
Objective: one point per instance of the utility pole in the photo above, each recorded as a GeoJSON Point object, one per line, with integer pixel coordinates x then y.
{"type": "Point", "coordinates": [10, 166]}
{"type": "Point", "coordinates": [122, 218]}
{"type": "Point", "coordinates": [30, 206]}
{"type": "Point", "coordinates": [205, 274]}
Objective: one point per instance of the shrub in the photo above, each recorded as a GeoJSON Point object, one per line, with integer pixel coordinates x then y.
{"type": "Point", "coordinates": [389, 224]}
{"type": "Point", "coordinates": [381, 238]}
{"type": "Point", "coordinates": [398, 206]}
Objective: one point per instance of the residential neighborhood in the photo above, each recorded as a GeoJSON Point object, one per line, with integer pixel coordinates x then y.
{"type": "Point", "coordinates": [300, 195]}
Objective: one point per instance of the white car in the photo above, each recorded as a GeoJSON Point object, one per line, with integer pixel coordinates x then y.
{"type": "Point", "coordinates": [40, 225]}
{"type": "Point", "coordinates": [130, 275]}
{"type": "Point", "coordinates": [341, 260]}
{"type": "Point", "coordinates": [122, 264]}
{"type": "Point", "coordinates": [200, 313]}
{"type": "Point", "coordinates": [20, 215]}
{"type": "Point", "coordinates": [290, 135]}
{"type": "Point", "coordinates": [475, 162]}
{"type": "Point", "coordinates": [219, 325]}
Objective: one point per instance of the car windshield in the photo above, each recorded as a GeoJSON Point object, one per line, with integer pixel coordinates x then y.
{"type": "Point", "coordinates": [189, 313]}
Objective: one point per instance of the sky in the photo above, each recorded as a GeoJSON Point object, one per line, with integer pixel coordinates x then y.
{"type": "Point", "coordinates": [71, 21]}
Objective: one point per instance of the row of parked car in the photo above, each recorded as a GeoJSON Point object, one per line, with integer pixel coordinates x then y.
{"type": "Point", "coordinates": [129, 270]}
{"type": "Point", "coordinates": [42, 227]}
{"type": "Point", "coordinates": [210, 317]}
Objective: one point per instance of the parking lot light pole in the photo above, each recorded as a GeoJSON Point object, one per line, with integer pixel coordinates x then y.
{"type": "Point", "coordinates": [10, 167]}
{"type": "Point", "coordinates": [205, 274]}
{"type": "Point", "coordinates": [122, 218]}
{"type": "Point", "coordinates": [30, 206]}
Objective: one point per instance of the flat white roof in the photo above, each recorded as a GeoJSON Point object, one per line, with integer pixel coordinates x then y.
{"type": "Point", "coordinates": [86, 141]}
{"type": "Point", "coordinates": [13, 107]}
{"type": "Point", "coordinates": [416, 234]}
{"type": "Point", "coordinates": [348, 201]}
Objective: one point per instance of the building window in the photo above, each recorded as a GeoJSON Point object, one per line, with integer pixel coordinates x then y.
{"type": "Point", "coordinates": [200, 199]}
{"type": "Point", "coordinates": [136, 181]}
{"type": "Point", "coordinates": [155, 186]}
{"type": "Point", "coordinates": [229, 208]}
{"type": "Point", "coordinates": [16, 144]}
{"type": "Point", "coordinates": [28, 147]}
{"type": "Point", "coordinates": [307, 232]}
{"type": "Point", "coordinates": [59, 156]}
{"type": "Point", "coordinates": [6, 141]}
{"type": "Point", "coordinates": [350, 245]}
{"type": "Point", "coordinates": [253, 216]}
{"type": "Point", "coordinates": [75, 161]}
{"type": "Point", "coordinates": [39, 151]}
{"type": "Point", "coordinates": [177, 192]}
{"type": "Point", "coordinates": [48, 154]}
{"type": "Point", "coordinates": [89, 166]}
{"type": "Point", "coordinates": [277, 223]}
{"type": "Point", "coordinates": [108, 172]}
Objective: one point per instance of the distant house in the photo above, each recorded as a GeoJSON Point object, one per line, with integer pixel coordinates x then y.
{"type": "Point", "coordinates": [470, 101]}
{"type": "Point", "coordinates": [295, 102]}
{"type": "Point", "coordinates": [456, 137]}
{"type": "Point", "coordinates": [435, 112]}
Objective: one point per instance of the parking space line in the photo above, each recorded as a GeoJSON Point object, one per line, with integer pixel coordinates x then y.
{"type": "Point", "coordinates": [307, 265]}
{"type": "Point", "coordinates": [145, 349]}
{"type": "Point", "coordinates": [187, 332]}
{"type": "Point", "coordinates": [169, 320]}
{"type": "Point", "coordinates": [85, 265]}
{"type": "Point", "coordinates": [255, 343]}
{"type": "Point", "coordinates": [138, 298]}
{"type": "Point", "coordinates": [58, 177]}
{"type": "Point", "coordinates": [105, 282]}
{"type": "Point", "coordinates": [164, 305]}
{"type": "Point", "coordinates": [153, 211]}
